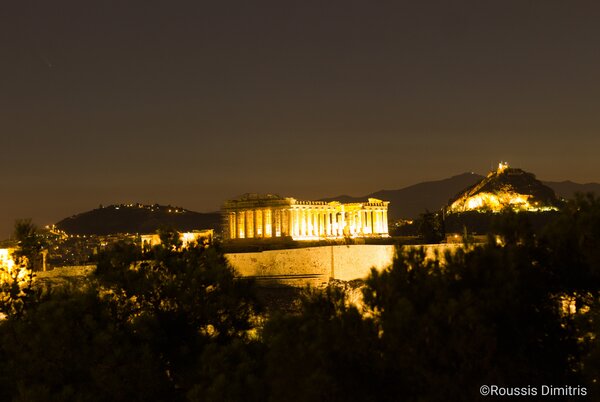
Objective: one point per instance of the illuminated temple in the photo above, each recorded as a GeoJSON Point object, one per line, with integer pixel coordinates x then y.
{"type": "Point", "coordinates": [256, 216]}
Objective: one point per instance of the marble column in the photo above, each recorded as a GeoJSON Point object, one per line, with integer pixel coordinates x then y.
{"type": "Point", "coordinates": [295, 220]}
{"type": "Point", "coordinates": [321, 223]}
{"type": "Point", "coordinates": [258, 231]}
{"type": "Point", "coordinates": [374, 221]}
{"type": "Point", "coordinates": [286, 222]}
{"type": "Point", "coordinates": [250, 224]}
{"type": "Point", "coordinates": [359, 222]}
{"type": "Point", "coordinates": [277, 223]}
{"type": "Point", "coordinates": [240, 224]}
{"type": "Point", "coordinates": [334, 223]}
{"type": "Point", "coordinates": [232, 225]}
{"type": "Point", "coordinates": [385, 222]}
{"type": "Point", "coordinates": [267, 223]}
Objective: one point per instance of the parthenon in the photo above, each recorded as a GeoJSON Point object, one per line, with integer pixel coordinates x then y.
{"type": "Point", "coordinates": [255, 216]}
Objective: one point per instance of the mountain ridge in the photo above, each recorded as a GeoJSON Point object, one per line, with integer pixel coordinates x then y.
{"type": "Point", "coordinates": [411, 201]}
{"type": "Point", "coordinates": [405, 203]}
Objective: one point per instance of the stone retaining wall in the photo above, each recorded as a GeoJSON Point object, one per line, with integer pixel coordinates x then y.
{"type": "Point", "coordinates": [316, 265]}
{"type": "Point", "coordinates": [298, 267]}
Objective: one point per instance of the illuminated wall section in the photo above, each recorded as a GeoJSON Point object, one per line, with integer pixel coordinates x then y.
{"type": "Point", "coordinates": [271, 216]}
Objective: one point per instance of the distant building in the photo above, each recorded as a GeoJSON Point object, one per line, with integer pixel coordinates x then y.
{"type": "Point", "coordinates": [7, 261]}
{"type": "Point", "coordinates": [256, 216]}
{"type": "Point", "coordinates": [9, 269]}
{"type": "Point", "coordinates": [187, 238]}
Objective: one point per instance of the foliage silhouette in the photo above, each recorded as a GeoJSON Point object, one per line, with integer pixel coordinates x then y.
{"type": "Point", "coordinates": [30, 244]}
{"type": "Point", "coordinates": [172, 324]}
{"type": "Point", "coordinates": [325, 353]}
{"type": "Point", "coordinates": [151, 327]}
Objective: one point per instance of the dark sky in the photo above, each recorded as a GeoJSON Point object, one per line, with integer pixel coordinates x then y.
{"type": "Point", "coordinates": [190, 102]}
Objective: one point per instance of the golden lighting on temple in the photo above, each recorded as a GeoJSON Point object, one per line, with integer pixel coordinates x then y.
{"type": "Point", "coordinates": [270, 216]}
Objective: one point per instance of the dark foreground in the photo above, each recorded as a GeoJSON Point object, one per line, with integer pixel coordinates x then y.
{"type": "Point", "coordinates": [519, 313]}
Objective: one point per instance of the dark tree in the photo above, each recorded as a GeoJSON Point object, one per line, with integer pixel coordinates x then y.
{"type": "Point", "coordinates": [30, 243]}
{"type": "Point", "coordinates": [169, 327]}
{"type": "Point", "coordinates": [572, 244]}
{"type": "Point", "coordinates": [73, 347]}
{"type": "Point", "coordinates": [486, 317]}
{"type": "Point", "coordinates": [190, 311]}
{"type": "Point", "coordinates": [169, 238]}
{"type": "Point", "coordinates": [431, 227]}
{"type": "Point", "coordinates": [326, 353]}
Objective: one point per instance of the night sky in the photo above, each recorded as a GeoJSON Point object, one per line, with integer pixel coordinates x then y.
{"type": "Point", "coordinates": [190, 103]}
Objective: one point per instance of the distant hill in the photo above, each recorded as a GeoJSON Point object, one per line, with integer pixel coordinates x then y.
{"type": "Point", "coordinates": [506, 187]}
{"type": "Point", "coordinates": [137, 218]}
{"type": "Point", "coordinates": [405, 203]}
{"type": "Point", "coordinates": [411, 201]}
{"type": "Point", "coordinates": [568, 189]}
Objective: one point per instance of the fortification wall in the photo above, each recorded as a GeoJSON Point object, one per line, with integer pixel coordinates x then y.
{"type": "Point", "coordinates": [313, 266]}
{"type": "Point", "coordinates": [59, 276]}
{"type": "Point", "coordinates": [316, 265]}
{"type": "Point", "coordinates": [355, 261]}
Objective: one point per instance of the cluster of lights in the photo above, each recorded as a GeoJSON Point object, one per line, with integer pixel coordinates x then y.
{"type": "Point", "coordinates": [496, 202]}
{"type": "Point", "coordinates": [152, 208]}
